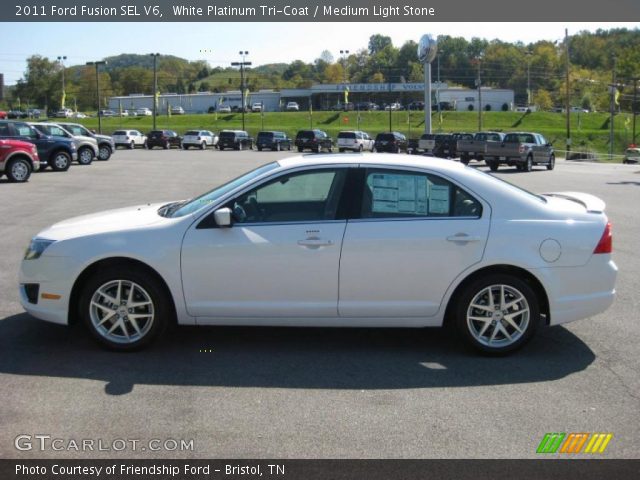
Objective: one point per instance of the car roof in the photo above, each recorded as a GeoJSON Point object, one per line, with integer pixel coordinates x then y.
{"type": "Point", "coordinates": [411, 161]}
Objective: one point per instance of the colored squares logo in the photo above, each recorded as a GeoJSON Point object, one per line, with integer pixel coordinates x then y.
{"type": "Point", "coordinates": [574, 443]}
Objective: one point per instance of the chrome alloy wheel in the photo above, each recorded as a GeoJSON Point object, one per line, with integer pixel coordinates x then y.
{"type": "Point", "coordinates": [121, 311]}
{"type": "Point", "coordinates": [20, 171]}
{"type": "Point", "coordinates": [498, 316]}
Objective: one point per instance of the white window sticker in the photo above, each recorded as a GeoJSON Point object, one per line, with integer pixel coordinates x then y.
{"type": "Point", "coordinates": [439, 199]}
{"type": "Point", "coordinates": [396, 193]}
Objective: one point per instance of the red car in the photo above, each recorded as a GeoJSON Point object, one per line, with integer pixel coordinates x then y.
{"type": "Point", "coordinates": [3, 114]}
{"type": "Point", "coordinates": [18, 159]}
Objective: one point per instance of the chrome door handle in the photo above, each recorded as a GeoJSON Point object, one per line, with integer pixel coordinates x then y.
{"type": "Point", "coordinates": [462, 238]}
{"type": "Point", "coordinates": [315, 242]}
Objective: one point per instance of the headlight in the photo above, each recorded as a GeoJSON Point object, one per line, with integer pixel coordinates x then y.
{"type": "Point", "coordinates": [37, 248]}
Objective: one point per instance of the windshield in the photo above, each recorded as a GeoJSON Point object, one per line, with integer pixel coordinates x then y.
{"type": "Point", "coordinates": [190, 206]}
{"type": "Point", "coordinates": [192, 133]}
{"type": "Point", "coordinates": [347, 135]}
{"type": "Point", "coordinates": [265, 135]}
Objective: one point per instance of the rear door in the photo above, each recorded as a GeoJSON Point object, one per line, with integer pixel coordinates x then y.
{"type": "Point", "coordinates": [415, 233]}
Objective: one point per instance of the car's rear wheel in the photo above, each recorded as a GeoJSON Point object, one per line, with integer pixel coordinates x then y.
{"type": "Point", "coordinates": [185, 147]}
{"type": "Point", "coordinates": [18, 170]}
{"type": "Point", "coordinates": [124, 308]}
{"type": "Point", "coordinates": [60, 161]}
{"type": "Point", "coordinates": [552, 162]}
{"type": "Point", "coordinates": [277, 146]}
{"type": "Point", "coordinates": [493, 166]}
{"type": "Point", "coordinates": [361, 148]}
{"type": "Point", "coordinates": [300, 149]}
{"type": "Point", "coordinates": [203, 145]}
{"type": "Point", "coordinates": [132, 145]}
{"type": "Point", "coordinates": [465, 160]}
{"type": "Point", "coordinates": [497, 314]}
{"type": "Point", "coordinates": [528, 166]}
{"type": "Point", "coordinates": [85, 156]}
{"type": "Point", "coordinates": [104, 153]}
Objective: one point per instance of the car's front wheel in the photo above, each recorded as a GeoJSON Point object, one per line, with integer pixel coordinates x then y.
{"type": "Point", "coordinates": [85, 156]}
{"type": "Point", "coordinates": [104, 153]}
{"type": "Point", "coordinates": [497, 313]}
{"type": "Point", "coordinates": [60, 161]}
{"type": "Point", "coordinates": [124, 308]}
{"type": "Point", "coordinates": [552, 162]}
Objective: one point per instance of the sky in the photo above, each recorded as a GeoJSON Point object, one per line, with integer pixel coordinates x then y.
{"type": "Point", "coordinates": [221, 42]}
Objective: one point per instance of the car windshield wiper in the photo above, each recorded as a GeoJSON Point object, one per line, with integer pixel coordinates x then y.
{"type": "Point", "coordinates": [168, 209]}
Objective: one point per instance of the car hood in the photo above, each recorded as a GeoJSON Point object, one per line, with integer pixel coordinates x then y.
{"type": "Point", "coordinates": [121, 219]}
{"type": "Point", "coordinates": [102, 137]}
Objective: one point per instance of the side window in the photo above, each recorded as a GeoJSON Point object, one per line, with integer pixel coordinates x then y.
{"type": "Point", "coordinates": [404, 194]}
{"type": "Point", "coordinates": [26, 131]}
{"type": "Point", "coordinates": [296, 197]}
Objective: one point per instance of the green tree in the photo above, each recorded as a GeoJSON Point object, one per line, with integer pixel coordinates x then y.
{"type": "Point", "coordinates": [378, 42]}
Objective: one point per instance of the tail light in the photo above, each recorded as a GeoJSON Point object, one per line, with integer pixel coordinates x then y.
{"type": "Point", "coordinates": [605, 245]}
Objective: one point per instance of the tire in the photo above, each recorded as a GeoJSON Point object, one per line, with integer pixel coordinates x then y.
{"type": "Point", "coordinates": [166, 146]}
{"type": "Point", "coordinates": [528, 166]}
{"type": "Point", "coordinates": [203, 146]}
{"type": "Point", "coordinates": [185, 147]}
{"type": "Point", "coordinates": [85, 156]}
{"type": "Point", "coordinates": [317, 149]}
{"type": "Point", "coordinates": [360, 149]}
{"type": "Point", "coordinates": [152, 316]}
{"type": "Point", "coordinates": [341, 150]}
{"type": "Point", "coordinates": [278, 147]}
{"type": "Point", "coordinates": [299, 149]}
{"type": "Point", "coordinates": [259, 149]}
{"type": "Point", "coordinates": [18, 170]}
{"type": "Point", "coordinates": [552, 162]}
{"type": "Point", "coordinates": [132, 145]}
{"type": "Point", "coordinates": [145, 145]}
{"type": "Point", "coordinates": [60, 161]}
{"type": "Point", "coordinates": [493, 166]}
{"type": "Point", "coordinates": [104, 153]}
{"type": "Point", "coordinates": [465, 160]}
{"type": "Point", "coordinates": [487, 327]}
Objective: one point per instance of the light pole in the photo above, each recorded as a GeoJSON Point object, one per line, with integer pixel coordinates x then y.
{"type": "Point", "coordinates": [634, 108]}
{"type": "Point", "coordinates": [97, 65]}
{"type": "Point", "coordinates": [479, 84]}
{"type": "Point", "coordinates": [529, 54]}
{"type": "Point", "coordinates": [242, 64]}
{"type": "Point", "coordinates": [612, 106]}
{"type": "Point", "coordinates": [567, 105]}
{"type": "Point", "coordinates": [155, 87]}
{"type": "Point", "coordinates": [438, 87]}
{"type": "Point", "coordinates": [344, 54]}
{"type": "Point", "coordinates": [61, 60]}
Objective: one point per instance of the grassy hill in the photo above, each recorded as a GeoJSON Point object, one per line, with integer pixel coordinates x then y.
{"type": "Point", "coordinates": [590, 131]}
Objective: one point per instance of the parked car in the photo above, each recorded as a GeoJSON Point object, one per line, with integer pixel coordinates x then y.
{"type": "Point", "coordinates": [16, 114]}
{"type": "Point", "coordinates": [438, 144]}
{"type": "Point", "coordinates": [330, 231]}
{"type": "Point", "coordinates": [106, 147]}
{"type": "Point", "coordinates": [365, 106]}
{"type": "Point", "coordinates": [393, 107]}
{"type": "Point", "coordinates": [18, 159]}
{"type": "Point", "coordinates": [393, 142]}
{"type": "Point", "coordinates": [256, 107]}
{"type": "Point", "coordinates": [144, 112]}
{"type": "Point", "coordinates": [64, 113]}
{"type": "Point", "coordinates": [273, 141]}
{"type": "Point", "coordinates": [631, 155]}
{"type": "Point", "coordinates": [33, 113]}
{"type": "Point", "coordinates": [78, 115]}
{"type": "Point", "coordinates": [356, 141]}
{"type": "Point", "coordinates": [199, 138]}
{"type": "Point", "coordinates": [235, 139]}
{"type": "Point", "coordinates": [106, 113]}
{"type": "Point", "coordinates": [224, 109]}
{"type": "Point", "coordinates": [177, 110]}
{"type": "Point", "coordinates": [455, 138]}
{"type": "Point", "coordinates": [314, 140]}
{"type": "Point", "coordinates": [474, 148]}
{"type": "Point", "coordinates": [87, 147]}
{"type": "Point", "coordinates": [522, 150]}
{"type": "Point", "coordinates": [416, 106]}
{"type": "Point", "coordinates": [129, 139]}
{"type": "Point", "coordinates": [163, 138]}
{"type": "Point", "coordinates": [55, 152]}
{"type": "Point", "coordinates": [292, 107]}
{"type": "Point", "coordinates": [3, 115]}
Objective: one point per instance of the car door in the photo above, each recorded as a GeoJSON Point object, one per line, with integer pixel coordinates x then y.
{"type": "Point", "coordinates": [416, 232]}
{"type": "Point", "coordinates": [280, 258]}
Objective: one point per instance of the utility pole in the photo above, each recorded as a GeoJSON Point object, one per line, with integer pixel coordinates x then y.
{"type": "Point", "coordinates": [612, 105]}
{"type": "Point", "coordinates": [97, 65]}
{"type": "Point", "coordinates": [155, 87]}
{"type": "Point", "coordinates": [634, 108]}
{"type": "Point", "coordinates": [528, 54]}
{"type": "Point", "coordinates": [479, 82]}
{"type": "Point", "coordinates": [567, 99]}
{"type": "Point", "coordinates": [61, 60]}
{"type": "Point", "coordinates": [242, 64]}
{"type": "Point", "coordinates": [438, 87]}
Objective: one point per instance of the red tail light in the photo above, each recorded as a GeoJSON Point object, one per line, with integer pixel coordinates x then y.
{"type": "Point", "coordinates": [605, 245]}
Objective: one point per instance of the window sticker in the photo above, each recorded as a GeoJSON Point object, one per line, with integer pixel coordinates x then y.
{"type": "Point", "coordinates": [396, 193]}
{"type": "Point", "coordinates": [439, 199]}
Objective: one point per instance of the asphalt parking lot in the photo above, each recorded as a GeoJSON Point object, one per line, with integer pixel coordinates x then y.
{"type": "Point", "coordinates": [309, 393]}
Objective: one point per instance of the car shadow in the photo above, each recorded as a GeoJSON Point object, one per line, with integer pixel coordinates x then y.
{"type": "Point", "coordinates": [637, 184]}
{"type": "Point", "coordinates": [310, 358]}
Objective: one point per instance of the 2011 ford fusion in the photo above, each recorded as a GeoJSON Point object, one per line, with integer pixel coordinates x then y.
{"type": "Point", "coordinates": [364, 241]}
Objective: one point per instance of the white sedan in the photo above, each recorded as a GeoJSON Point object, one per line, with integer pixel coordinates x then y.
{"type": "Point", "coordinates": [331, 241]}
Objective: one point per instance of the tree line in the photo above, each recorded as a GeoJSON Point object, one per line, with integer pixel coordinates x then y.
{"type": "Point", "coordinates": [539, 65]}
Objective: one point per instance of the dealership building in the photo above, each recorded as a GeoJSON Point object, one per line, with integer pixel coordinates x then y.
{"type": "Point", "coordinates": [323, 97]}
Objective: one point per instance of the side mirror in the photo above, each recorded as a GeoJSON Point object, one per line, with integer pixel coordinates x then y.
{"type": "Point", "coordinates": [222, 216]}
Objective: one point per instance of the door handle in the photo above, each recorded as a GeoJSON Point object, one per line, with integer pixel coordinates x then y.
{"type": "Point", "coordinates": [315, 242]}
{"type": "Point", "coordinates": [462, 238]}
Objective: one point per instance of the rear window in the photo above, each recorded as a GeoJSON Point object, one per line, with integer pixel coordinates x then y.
{"type": "Point", "coordinates": [227, 134]}
{"type": "Point", "coordinates": [385, 137]}
{"type": "Point", "coordinates": [120, 132]}
{"type": "Point", "coordinates": [518, 138]}
{"type": "Point", "coordinates": [156, 133]}
{"type": "Point", "coordinates": [347, 135]}
{"type": "Point", "coordinates": [265, 135]}
{"type": "Point", "coordinates": [305, 134]}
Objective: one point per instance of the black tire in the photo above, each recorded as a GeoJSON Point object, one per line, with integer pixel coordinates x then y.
{"type": "Point", "coordinates": [185, 147]}
{"type": "Point", "coordinates": [300, 149]}
{"type": "Point", "coordinates": [259, 149]}
{"type": "Point", "coordinates": [493, 166]}
{"type": "Point", "coordinates": [341, 150]}
{"type": "Point", "coordinates": [203, 146]}
{"type": "Point", "coordinates": [104, 152]}
{"type": "Point", "coordinates": [479, 289]}
{"type": "Point", "coordinates": [18, 170]}
{"type": "Point", "coordinates": [465, 160]}
{"type": "Point", "coordinates": [277, 146]}
{"type": "Point", "coordinates": [60, 161]}
{"type": "Point", "coordinates": [132, 145]}
{"type": "Point", "coordinates": [85, 156]}
{"type": "Point", "coordinates": [552, 162]}
{"type": "Point", "coordinates": [528, 166]}
{"type": "Point", "coordinates": [161, 307]}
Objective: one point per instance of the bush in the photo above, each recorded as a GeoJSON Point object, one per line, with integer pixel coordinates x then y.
{"type": "Point", "coordinates": [505, 107]}
{"type": "Point", "coordinates": [487, 108]}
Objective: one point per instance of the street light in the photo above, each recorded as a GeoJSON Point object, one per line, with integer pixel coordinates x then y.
{"type": "Point", "coordinates": [61, 60]}
{"type": "Point", "coordinates": [440, 52]}
{"type": "Point", "coordinates": [242, 64]}
{"type": "Point", "coordinates": [155, 87]}
{"type": "Point", "coordinates": [97, 65]}
{"type": "Point", "coordinates": [344, 54]}
{"type": "Point", "coordinates": [479, 84]}
{"type": "Point", "coordinates": [529, 54]}
{"type": "Point", "coordinates": [612, 89]}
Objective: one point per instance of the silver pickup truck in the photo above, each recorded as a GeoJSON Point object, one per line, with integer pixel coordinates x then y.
{"type": "Point", "coordinates": [474, 149]}
{"type": "Point", "coordinates": [522, 150]}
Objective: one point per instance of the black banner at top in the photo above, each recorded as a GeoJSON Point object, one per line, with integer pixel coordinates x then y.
{"type": "Point", "coordinates": [318, 11]}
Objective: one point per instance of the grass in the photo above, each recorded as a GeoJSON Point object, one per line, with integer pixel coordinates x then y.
{"type": "Point", "coordinates": [590, 131]}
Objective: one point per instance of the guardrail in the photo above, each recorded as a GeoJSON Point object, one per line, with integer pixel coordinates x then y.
{"type": "Point", "coordinates": [589, 156]}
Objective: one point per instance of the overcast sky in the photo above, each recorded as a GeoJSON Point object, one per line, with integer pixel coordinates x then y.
{"type": "Point", "coordinates": [266, 42]}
